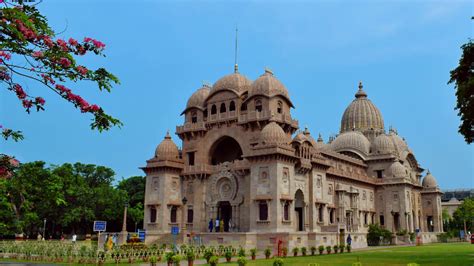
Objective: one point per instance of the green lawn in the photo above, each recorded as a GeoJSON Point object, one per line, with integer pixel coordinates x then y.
{"type": "Point", "coordinates": [436, 254]}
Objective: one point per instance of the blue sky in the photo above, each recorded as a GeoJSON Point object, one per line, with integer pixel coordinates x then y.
{"type": "Point", "coordinates": [402, 51]}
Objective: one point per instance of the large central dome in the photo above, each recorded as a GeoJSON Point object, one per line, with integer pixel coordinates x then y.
{"type": "Point", "coordinates": [361, 115]}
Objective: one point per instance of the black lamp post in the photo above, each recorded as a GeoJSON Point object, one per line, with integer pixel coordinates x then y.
{"type": "Point", "coordinates": [184, 201]}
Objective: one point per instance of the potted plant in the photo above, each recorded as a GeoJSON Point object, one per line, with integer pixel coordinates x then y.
{"type": "Point", "coordinates": [348, 248]}
{"type": "Point", "coordinates": [176, 260]}
{"type": "Point", "coordinates": [335, 248]}
{"type": "Point", "coordinates": [228, 255]}
{"type": "Point", "coordinates": [268, 253]}
{"type": "Point", "coordinates": [313, 250]}
{"type": "Point", "coordinates": [341, 248]}
{"type": "Point", "coordinates": [241, 252]}
{"type": "Point", "coordinates": [295, 251]}
{"type": "Point", "coordinates": [241, 261]}
{"type": "Point", "coordinates": [213, 261]}
{"type": "Point", "coordinates": [208, 254]}
{"type": "Point", "coordinates": [321, 249]}
{"type": "Point", "coordinates": [169, 258]}
{"type": "Point", "coordinates": [253, 253]}
{"type": "Point", "coordinates": [153, 261]}
{"type": "Point", "coordinates": [190, 257]}
{"type": "Point", "coordinates": [303, 251]}
{"type": "Point", "coordinates": [278, 262]}
{"type": "Point", "coordinates": [328, 249]}
{"type": "Point", "coordinates": [284, 252]}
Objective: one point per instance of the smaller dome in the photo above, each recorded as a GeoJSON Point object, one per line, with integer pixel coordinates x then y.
{"type": "Point", "coordinates": [273, 134]}
{"type": "Point", "coordinates": [198, 98]}
{"type": "Point", "coordinates": [383, 145]}
{"type": "Point", "coordinates": [268, 85]}
{"type": "Point", "coordinates": [396, 169]}
{"type": "Point", "coordinates": [429, 181]}
{"type": "Point", "coordinates": [167, 149]}
{"type": "Point", "coordinates": [351, 141]}
{"type": "Point", "coordinates": [400, 144]}
{"type": "Point", "coordinates": [300, 137]}
{"type": "Point", "coordinates": [235, 82]}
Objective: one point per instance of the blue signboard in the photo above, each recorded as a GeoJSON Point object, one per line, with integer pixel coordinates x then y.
{"type": "Point", "coordinates": [174, 230]}
{"type": "Point", "coordinates": [141, 235]}
{"type": "Point", "coordinates": [100, 226]}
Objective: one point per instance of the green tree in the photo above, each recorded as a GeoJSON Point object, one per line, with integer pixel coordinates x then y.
{"type": "Point", "coordinates": [463, 79]}
{"type": "Point", "coordinates": [135, 188]}
{"type": "Point", "coordinates": [464, 215]}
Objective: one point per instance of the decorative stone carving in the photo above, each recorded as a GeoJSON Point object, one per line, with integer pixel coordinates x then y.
{"type": "Point", "coordinates": [371, 196]}
{"type": "Point", "coordinates": [222, 185]}
{"type": "Point", "coordinates": [285, 184]}
{"type": "Point", "coordinates": [174, 189]}
{"type": "Point", "coordinates": [330, 190]}
{"type": "Point", "coordinates": [156, 183]}
{"type": "Point", "coordinates": [190, 189]}
{"type": "Point", "coordinates": [263, 185]}
{"type": "Point", "coordinates": [364, 196]}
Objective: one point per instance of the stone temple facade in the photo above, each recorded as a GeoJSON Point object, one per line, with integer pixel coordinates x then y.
{"type": "Point", "coordinates": [245, 161]}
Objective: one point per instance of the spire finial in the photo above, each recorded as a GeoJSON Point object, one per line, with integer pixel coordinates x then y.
{"type": "Point", "coordinates": [236, 66]}
{"type": "Point", "coordinates": [361, 93]}
{"type": "Point", "coordinates": [320, 138]}
{"type": "Point", "coordinates": [168, 134]}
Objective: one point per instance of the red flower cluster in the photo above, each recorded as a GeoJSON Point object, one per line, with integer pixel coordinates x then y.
{"type": "Point", "coordinates": [65, 62]}
{"type": "Point", "coordinates": [27, 104]}
{"type": "Point", "coordinates": [20, 93]}
{"type": "Point", "coordinates": [5, 55]}
{"type": "Point", "coordinates": [4, 75]}
{"type": "Point", "coordinates": [82, 70]}
{"type": "Point", "coordinates": [73, 42]}
{"type": "Point", "coordinates": [96, 43]}
{"type": "Point", "coordinates": [40, 100]}
{"type": "Point", "coordinates": [37, 54]}
{"type": "Point", "coordinates": [47, 79]}
{"type": "Point", "coordinates": [27, 33]}
{"type": "Point", "coordinates": [61, 43]}
{"type": "Point", "coordinates": [77, 100]}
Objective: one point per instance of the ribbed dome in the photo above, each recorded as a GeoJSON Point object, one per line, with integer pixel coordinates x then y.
{"type": "Point", "coordinates": [167, 150]}
{"type": "Point", "coordinates": [234, 82]}
{"type": "Point", "coordinates": [351, 141]}
{"type": "Point", "coordinates": [198, 97]}
{"type": "Point", "coordinates": [268, 85]}
{"type": "Point", "coordinates": [396, 169]}
{"type": "Point", "coordinates": [300, 137]}
{"type": "Point", "coordinates": [383, 145]}
{"type": "Point", "coordinates": [399, 143]}
{"type": "Point", "coordinates": [361, 114]}
{"type": "Point", "coordinates": [429, 181]}
{"type": "Point", "coordinates": [273, 134]}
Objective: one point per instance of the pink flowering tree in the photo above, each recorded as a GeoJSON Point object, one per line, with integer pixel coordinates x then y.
{"type": "Point", "coordinates": [29, 50]}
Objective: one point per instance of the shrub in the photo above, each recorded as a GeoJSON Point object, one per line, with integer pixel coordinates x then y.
{"type": "Point", "coordinates": [412, 236]}
{"type": "Point", "coordinates": [284, 252]}
{"type": "Point", "coordinates": [176, 259]}
{"type": "Point", "coordinates": [208, 254]}
{"type": "Point", "coordinates": [348, 248]}
{"type": "Point", "coordinates": [190, 255]}
{"type": "Point", "coordinates": [402, 232]}
{"type": "Point", "coordinates": [375, 233]}
{"type": "Point", "coordinates": [241, 252]}
{"type": "Point", "coordinates": [341, 248]}
{"type": "Point", "coordinates": [213, 260]}
{"type": "Point", "coordinates": [321, 249]}
{"type": "Point", "coordinates": [303, 251]}
{"type": "Point", "coordinates": [295, 251]}
{"type": "Point", "coordinates": [153, 259]}
{"type": "Point", "coordinates": [268, 253]}
{"type": "Point", "coordinates": [228, 255]}
{"type": "Point", "coordinates": [313, 250]}
{"type": "Point", "coordinates": [169, 257]}
{"type": "Point", "coordinates": [253, 252]}
{"type": "Point", "coordinates": [335, 248]}
{"type": "Point", "coordinates": [278, 262]}
{"type": "Point", "coordinates": [241, 261]}
{"type": "Point", "coordinates": [328, 249]}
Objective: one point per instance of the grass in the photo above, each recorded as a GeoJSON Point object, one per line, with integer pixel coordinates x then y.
{"type": "Point", "coordinates": [435, 254]}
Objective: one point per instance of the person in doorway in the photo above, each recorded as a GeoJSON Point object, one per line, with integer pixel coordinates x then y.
{"type": "Point", "coordinates": [211, 225]}
{"type": "Point", "coordinates": [221, 226]}
{"type": "Point", "coordinates": [349, 240]}
{"type": "Point", "coordinates": [230, 225]}
{"type": "Point", "coordinates": [217, 224]}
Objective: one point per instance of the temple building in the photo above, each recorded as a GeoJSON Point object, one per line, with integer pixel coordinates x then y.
{"type": "Point", "coordinates": [245, 161]}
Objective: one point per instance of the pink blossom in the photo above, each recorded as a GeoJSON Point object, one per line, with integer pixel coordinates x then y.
{"type": "Point", "coordinates": [39, 100]}
{"type": "Point", "coordinates": [37, 54]}
{"type": "Point", "coordinates": [94, 108]}
{"type": "Point", "coordinates": [82, 70]}
{"type": "Point", "coordinates": [4, 75]}
{"type": "Point", "coordinates": [72, 42]}
{"type": "Point", "coordinates": [65, 62]}
{"type": "Point", "coordinates": [27, 104]}
{"type": "Point", "coordinates": [5, 55]}
{"type": "Point", "coordinates": [20, 93]}
{"type": "Point", "coordinates": [62, 44]}
{"type": "Point", "coordinates": [47, 40]}
{"type": "Point", "coordinates": [98, 44]}
{"type": "Point", "coordinates": [62, 88]}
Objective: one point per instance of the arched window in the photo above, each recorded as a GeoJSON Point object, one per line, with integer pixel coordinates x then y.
{"type": "Point", "coordinates": [194, 117]}
{"type": "Point", "coordinates": [223, 109]}
{"type": "Point", "coordinates": [213, 109]}
{"type": "Point", "coordinates": [280, 107]}
{"type": "Point", "coordinates": [258, 105]}
{"type": "Point", "coordinates": [262, 211]}
{"type": "Point", "coordinates": [190, 216]}
{"type": "Point", "coordinates": [173, 214]}
{"type": "Point", "coordinates": [152, 215]}
{"type": "Point", "coordinates": [243, 107]}
{"type": "Point", "coordinates": [205, 113]}
{"type": "Point", "coordinates": [232, 106]}
{"type": "Point", "coordinates": [320, 213]}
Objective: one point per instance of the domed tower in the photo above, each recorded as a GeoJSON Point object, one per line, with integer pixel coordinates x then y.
{"type": "Point", "coordinates": [163, 205]}
{"type": "Point", "coordinates": [363, 116]}
{"type": "Point", "coordinates": [431, 202]}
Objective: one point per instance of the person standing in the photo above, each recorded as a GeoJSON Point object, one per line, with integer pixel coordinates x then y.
{"type": "Point", "coordinates": [74, 238]}
{"type": "Point", "coordinates": [221, 226]}
{"type": "Point", "coordinates": [349, 240]}
{"type": "Point", "coordinates": [217, 224]}
{"type": "Point", "coordinates": [211, 225]}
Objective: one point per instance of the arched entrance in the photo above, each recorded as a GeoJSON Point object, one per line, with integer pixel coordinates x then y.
{"type": "Point", "coordinates": [225, 149]}
{"type": "Point", "coordinates": [299, 210]}
{"type": "Point", "coordinates": [224, 213]}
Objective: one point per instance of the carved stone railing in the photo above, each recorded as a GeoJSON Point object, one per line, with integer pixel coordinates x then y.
{"type": "Point", "coordinates": [189, 127]}
{"type": "Point", "coordinates": [207, 169]}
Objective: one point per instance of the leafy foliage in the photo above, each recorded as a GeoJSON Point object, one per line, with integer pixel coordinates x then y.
{"type": "Point", "coordinates": [378, 235]}
{"type": "Point", "coordinates": [463, 79]}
